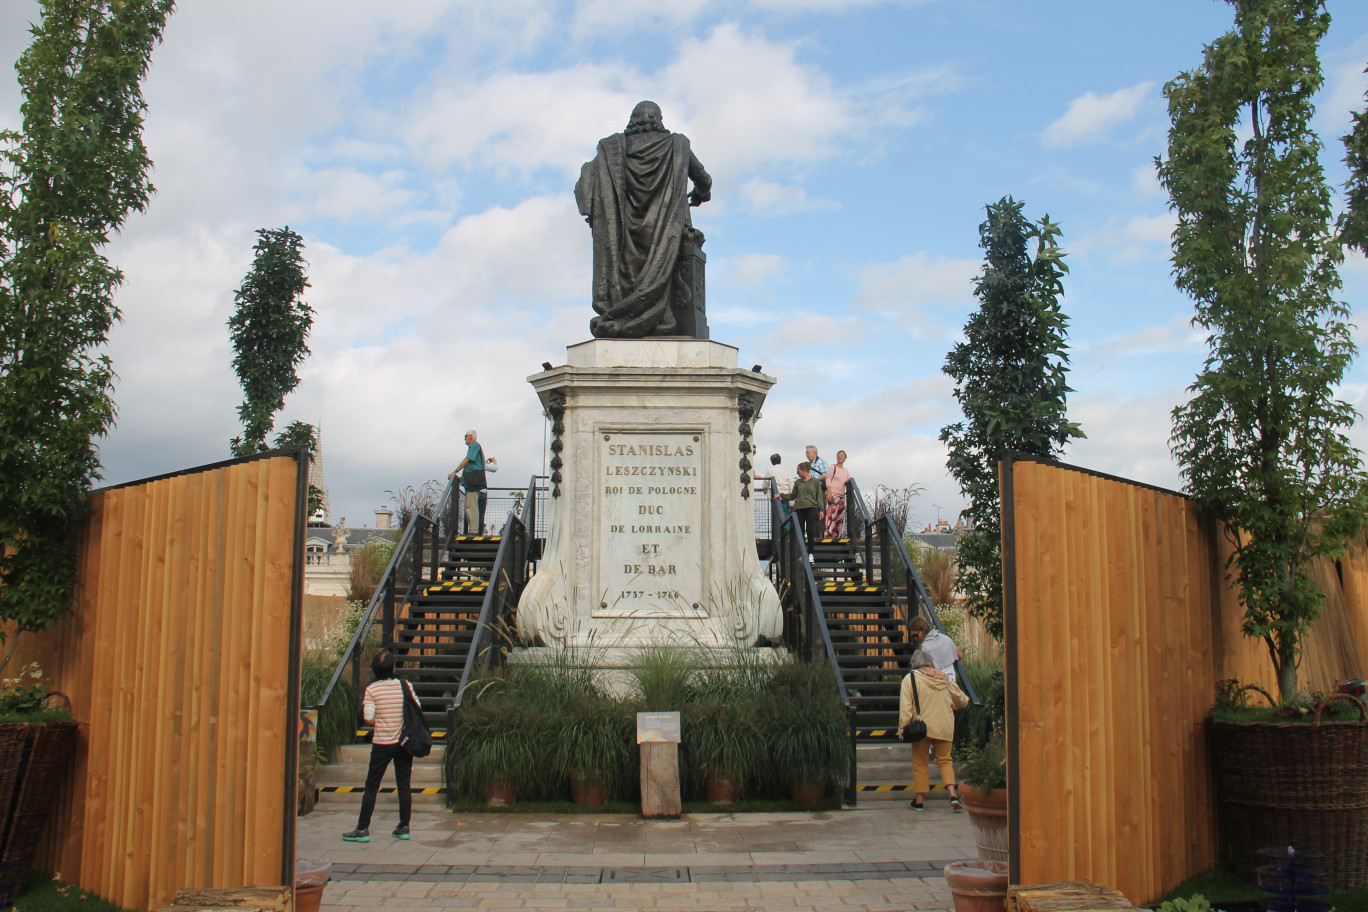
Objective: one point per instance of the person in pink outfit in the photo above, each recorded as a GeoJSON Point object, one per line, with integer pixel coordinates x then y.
{"type": "Point", "coordinates": [837, 480]}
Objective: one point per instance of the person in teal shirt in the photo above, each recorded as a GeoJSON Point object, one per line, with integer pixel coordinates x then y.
{"type": "Point", "coordinates": [472, 472]}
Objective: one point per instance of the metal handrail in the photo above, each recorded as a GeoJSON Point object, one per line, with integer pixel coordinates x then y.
{"type": "Point", "coordinates": [855, 496]}
{"type": "Point", "coordinates": [804, 590]}
{"type": "Point", "coordinates": [478, 652]}
{"type": "Point", "coordinates": [529, 517]}
{"type": "Point", "coordinates": [915, 587]}
{"type": "Point", "coordinates": [385, 589]}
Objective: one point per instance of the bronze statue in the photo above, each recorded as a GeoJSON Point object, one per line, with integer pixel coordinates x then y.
{"type": "Point", "coordinates": [648, 262]}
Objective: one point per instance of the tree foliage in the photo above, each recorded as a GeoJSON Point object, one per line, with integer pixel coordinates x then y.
{"type": "Point", "coordinates": [269, 330]}
{"type": "Point", "coordinates": [67, 182]}
{"type": "Point", "coordinates": [1262, 440]}
{"type": "Point", "coordinates": [1010, 380]}
{"type": "Point", "coordinates": [301, 433]}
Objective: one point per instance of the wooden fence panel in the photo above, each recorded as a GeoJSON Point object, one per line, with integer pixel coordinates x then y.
{"type": "Point", "coordinates": [1120, 619]}
{"type": "Point", "coordinates": [1104, 657]}
{"type": "Point", "coordinates": [181, 660]}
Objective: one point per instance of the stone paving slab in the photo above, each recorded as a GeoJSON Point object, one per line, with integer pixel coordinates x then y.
{"type": "Point", "coordinates": [882, 858]}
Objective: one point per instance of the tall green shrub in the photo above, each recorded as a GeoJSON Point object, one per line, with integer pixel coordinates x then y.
{"type": "Point", "coordinates": [269, 330]}
{"type": "Point", "coordinates": [1010, 380]}
{"type": "Point", "coordinates": [1263, 439]}
{"type": "Point", "coordinates": [67, 182]}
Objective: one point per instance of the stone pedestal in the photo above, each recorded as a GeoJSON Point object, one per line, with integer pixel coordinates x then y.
{"type": "Point", "coordinates": [650, 534]}
{"type": "Point", "coordinates": [660, 795]}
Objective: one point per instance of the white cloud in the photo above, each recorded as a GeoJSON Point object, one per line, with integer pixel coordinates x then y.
{"type": "Point", "coordinates": [1127, 436]}
{"type": "Point", "coordinates": [1145, 184]}
{"type": "Point", "coordinates": [746, 103]}
{"type": "Point", "coordinates": [1144, 237]}
{"type": "Point", "coordinates": [1091, 116]}
{"type": "Point", "coordinates": [1346, 83]}
{"type": "Point", "coordinates": [769, 198]}
{"type": "Point", "coordinates": [910, 283]}
{"type": "Point", "coordinates": [1178, 335]}
{"type": "Point", "coordinates": [814, 331]}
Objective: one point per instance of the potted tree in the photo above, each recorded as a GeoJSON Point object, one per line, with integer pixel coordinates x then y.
{"type": "Point", "coordinates": [1263, 442]}
{"type": "Point", "coordinates": [1294, 774]}
{"type": "Point", "coordinates": [983, 792]}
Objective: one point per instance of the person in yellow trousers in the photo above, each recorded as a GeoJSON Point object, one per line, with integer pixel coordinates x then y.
{"type": "Point", "coordinates": [938, 698]}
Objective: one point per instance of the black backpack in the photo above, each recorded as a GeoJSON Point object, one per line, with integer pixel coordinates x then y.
{"type": "Point", "coordinates": [415, 738]}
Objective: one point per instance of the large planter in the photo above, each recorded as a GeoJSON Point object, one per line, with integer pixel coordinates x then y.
{"type": "Point", "coordinates": [588, 789]}
{"type": "Point", "coordinates": [722, 789]}
{"type": "Point", "coordinates": [807, 791]}
{"type": "Point", "coordinates": [978, 886]}
{"type": "Point", "coordinates": [500, 793]}
{"type": "Point", "coordinates": [33, 760]}
{"type": "Point", "coordinates": [987, 809]}
{"type": "Point", "coordinates": [1298, 784]}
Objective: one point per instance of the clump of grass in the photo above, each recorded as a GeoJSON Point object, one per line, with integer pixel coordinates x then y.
{"type": "Point", "coordinates": [763, 722]}
{"type": "Point", "coordinates": [44, 893]}
{"type": "Point", "coordinates": [337, 722]}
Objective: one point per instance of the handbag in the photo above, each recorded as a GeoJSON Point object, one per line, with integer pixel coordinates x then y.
{"type": "Point", "coordinates": [915, 730]}
{"type": "Point", "coordinates": [416, 738]}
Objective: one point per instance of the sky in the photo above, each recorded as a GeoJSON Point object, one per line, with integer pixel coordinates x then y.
{"type": "Point", "coordinates": [427, 151]}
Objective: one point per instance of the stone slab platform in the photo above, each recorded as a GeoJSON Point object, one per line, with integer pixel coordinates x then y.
{"type": "Point", "coordinates": [861, 859]}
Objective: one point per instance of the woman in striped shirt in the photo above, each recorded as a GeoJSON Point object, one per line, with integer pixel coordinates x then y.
{"type": "Point", "coordinates": [383, 706]}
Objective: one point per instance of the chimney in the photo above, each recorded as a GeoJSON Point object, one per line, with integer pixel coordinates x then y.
{"type": "Point", "coordinates": [384, 519]}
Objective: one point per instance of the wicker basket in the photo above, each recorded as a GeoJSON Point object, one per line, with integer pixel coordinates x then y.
{"type": "Point", "coordinates": [33, 759]}
{"type": "Point", "coordinates": [1306, 785]}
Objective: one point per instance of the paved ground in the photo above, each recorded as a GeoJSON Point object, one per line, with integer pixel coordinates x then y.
{"type": "Point", "coordinates": [886, 858]}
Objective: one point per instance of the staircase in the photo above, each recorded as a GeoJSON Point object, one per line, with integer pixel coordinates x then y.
{"type": "Point", "coordinates": [433, 638]}
{"type": "Point", "coordinates": [867, 632]}
{"type": "Point", "coordinates": [865, 615]}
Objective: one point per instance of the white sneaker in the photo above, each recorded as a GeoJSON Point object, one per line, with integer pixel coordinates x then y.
{"type": "Point", "coordinates": [812, 559]}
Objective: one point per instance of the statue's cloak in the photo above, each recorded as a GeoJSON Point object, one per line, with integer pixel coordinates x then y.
{"type": "Point", "coordinates": [635, 195]}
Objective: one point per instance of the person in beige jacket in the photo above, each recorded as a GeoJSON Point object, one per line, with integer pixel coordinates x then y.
{"type": "Point", "coordinates": [939, 698]}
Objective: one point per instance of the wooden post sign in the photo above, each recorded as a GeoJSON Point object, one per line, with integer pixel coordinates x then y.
{"type": "Point", "coordinates": [658, 735]}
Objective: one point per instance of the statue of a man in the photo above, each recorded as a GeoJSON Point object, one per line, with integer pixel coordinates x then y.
{"type": "Point", "coordinates": [635, 196]}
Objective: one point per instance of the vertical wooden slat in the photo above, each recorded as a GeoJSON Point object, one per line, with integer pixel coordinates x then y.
{"type": "Point", "coordinates": [1024, 689]}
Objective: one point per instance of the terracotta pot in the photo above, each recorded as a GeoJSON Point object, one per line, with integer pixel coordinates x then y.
{"type": "Point", "coordinates": [807, 791]}
{"type": "Point", "coordinates": [500, 793]}
{"type": "Point", "coordinates": [978, 886]}
{"type": "Point", "coordinates": [308, 899]}
{"type": "Point", "coordinates": [588, 790]}
{"type": "Point", "coordinates": [988, 816]}
{"type": "Point", "coordinates": [723, 789]}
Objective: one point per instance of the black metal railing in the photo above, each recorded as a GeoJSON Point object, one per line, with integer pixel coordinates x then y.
{"type": "Point", "coordinates": [805, 627]}
{"type": "Point", "coordinates": [416, 560]}
{"type": "Point", "coordinates": [502, 501]}
{"type": "Point", "coordinates": [917, 600]}
{"type": "Point", "coordinates": [859, 528]}
{"type": "Point", "coordinates": [494, 629]}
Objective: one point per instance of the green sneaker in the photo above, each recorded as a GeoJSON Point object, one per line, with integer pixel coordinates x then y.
{"type": "Point", "coordinates": [401, 832]}
{"type": "Point", "coordinates": [360, 834]}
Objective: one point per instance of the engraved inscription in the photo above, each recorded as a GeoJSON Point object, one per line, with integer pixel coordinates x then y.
{"type": "Point", "coordinates": [649, 506]}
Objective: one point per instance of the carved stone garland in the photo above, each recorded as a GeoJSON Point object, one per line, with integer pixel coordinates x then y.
{"type": "Point", "coordinates": [748, 406]}
{"type": "Point", "coordinates": [555, 407]}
